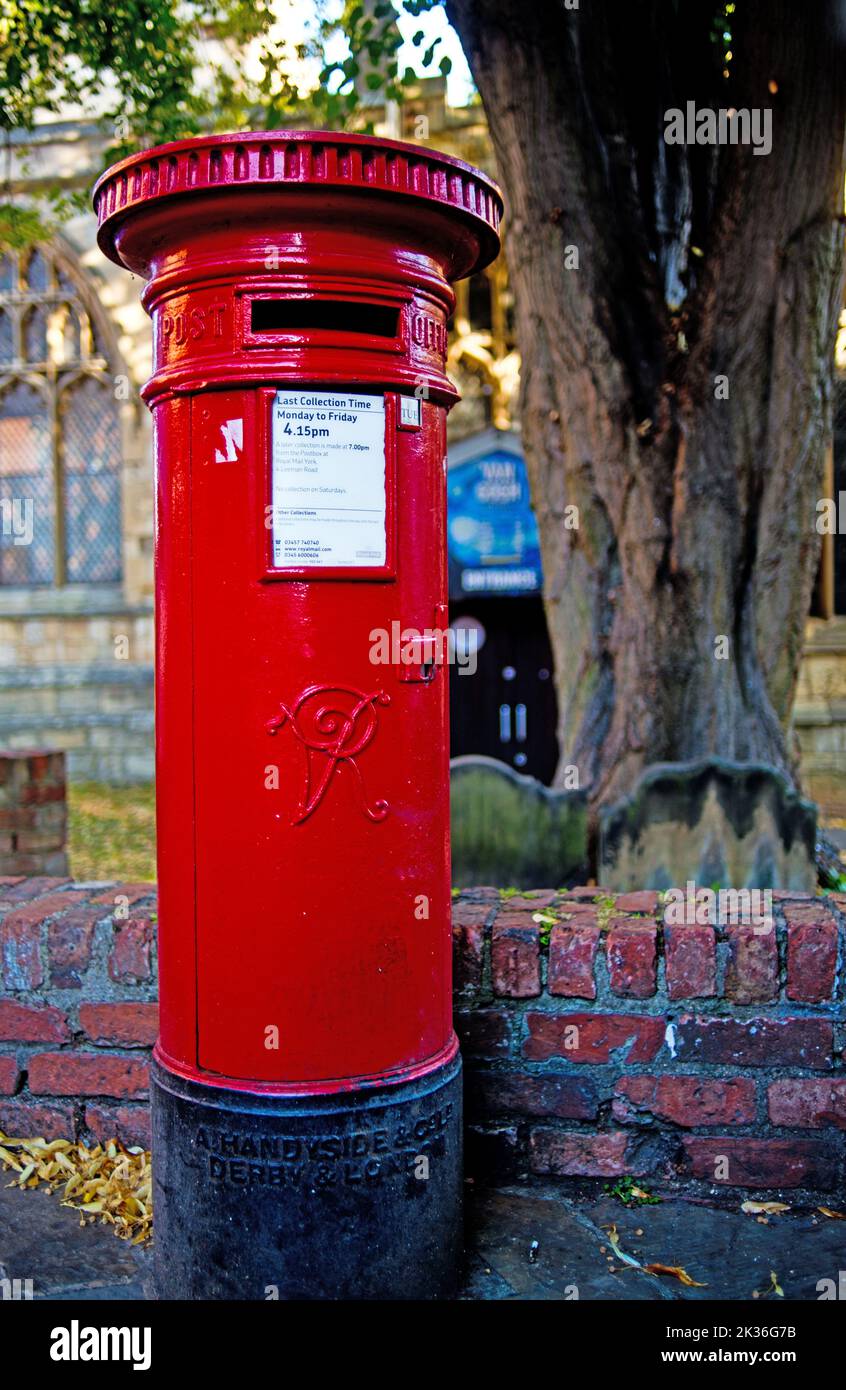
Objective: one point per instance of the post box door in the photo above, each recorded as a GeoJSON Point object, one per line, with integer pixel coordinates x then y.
{"type": "Point", "coordinates": [310, 966]}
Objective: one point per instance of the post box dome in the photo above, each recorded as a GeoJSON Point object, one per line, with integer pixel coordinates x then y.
{"type": "Point", "coordinates": [291, 160]}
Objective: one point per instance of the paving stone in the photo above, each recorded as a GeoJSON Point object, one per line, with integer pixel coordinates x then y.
{"type": "Point", "coordinates": [523, 1243]}
{"type": "Point", "coordinates": [43, 1241]}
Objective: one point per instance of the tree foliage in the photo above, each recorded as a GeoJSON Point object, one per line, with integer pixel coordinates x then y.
{"type": "Point", "coordinates": [151, 71]}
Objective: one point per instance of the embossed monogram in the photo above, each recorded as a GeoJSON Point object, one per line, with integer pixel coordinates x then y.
{"type": "Point", "coordinates": [331, 735]}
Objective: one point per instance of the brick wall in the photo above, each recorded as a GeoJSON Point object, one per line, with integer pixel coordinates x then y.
{"type": "Point", "coordinates": [608, 1044]}
{"type": "Point", "coordinates": [78, 1012]}
{"type": "Point", "coordinates": [598, 1042]}
{"type": "Point", "coordinates": [33, 812]}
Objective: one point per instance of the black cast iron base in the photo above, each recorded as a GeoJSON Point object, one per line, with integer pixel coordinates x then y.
{"type": "Point", "coordinates": [308, 1197]}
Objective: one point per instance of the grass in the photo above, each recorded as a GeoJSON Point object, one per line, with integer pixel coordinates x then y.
{"type": "Point", "coordinates": [112, 831]}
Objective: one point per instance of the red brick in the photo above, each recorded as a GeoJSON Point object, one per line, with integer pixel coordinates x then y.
{"type": "Point", "coordinates": [33, 863]}
{"type": "Point", "coordinates": [632, 950]}
{"type": "Point", "coordinates": [45, 765]}
{"type": "Point", "coordinates": [128, 1123]}
{"type": "Point", "coordinates": [28, 911]}
{"type": "Point", "coordinates": [43, 794]}
{"type": "Point", "coordinates": [513, 1092]}
{"type": "Point", "coordinates": [20, 950]}
{"type": "Point", "coordinates": [811, 954]}
{"type": "Point", "coordinates": [69, 942]}
{"type": "Point", "coordinates": [690, 955]}
{"type": "Point", "coordinates": [23, 1119]}
{"type": "Point", "coordinates": [515, 956]}
{"type": "Point", "coordinates": [132, 892]}
{"type": "Point", "coordinates": [752, 970]}
{"type": "Point", "coordinates": [755, 1042]}
{"type": "Point", "coordinates": [31, 887]}
{"type": "Point", "coordinates": [38, 842]}
{"type": "Point", "coordinates": [533, 901]}
{"type": "Point", "coordinates": [577, 914]}
{"type": "Point", "coordinates": [572, 952]}
{"type": "Point", "coordinates": [808, 1102]}
{"type": "Point", "coordinates": [742, 1162]}
{"type": "Point", "coordinates": [483, 1032]}
{"type": "Point", "coordinates": [558, 1154]}
{"type": "Point", "coordinates": [9, 1075]}
{"type": "Point", "coordinates": [87, 1074]}
{"type": "Point", "coordinates": [467, 956]}
{"type": "Point", "coordinates": [31, 1023]}
{"type": "Point", "coordinates": [644, 900]}
{"type": "Point", "coordinates": [19, 818]}
{"type": "Point", "coordinates": [582, 1037]}
{"type": "Point", "coordinates": [132, 1024]}
{"type": "Point", "coordinates": [130, 958]}
{"type": "Point", "coordinates": [688, 1101]}
{"type": "Point", "coordinates": [468, 942]}
{"type": "Point", "coordinates": [483, 894]}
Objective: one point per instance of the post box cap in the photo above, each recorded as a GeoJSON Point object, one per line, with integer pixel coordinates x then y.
{"type": "Point", "coordinates": [298, 158]}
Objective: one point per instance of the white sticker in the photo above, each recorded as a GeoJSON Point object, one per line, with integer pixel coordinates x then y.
{"type": "Point", "coordinates": [410, 412]}
{"type": "Point", "coordinates": [233, 442]}
{"type": "Point", "coordinates": [328, 479]}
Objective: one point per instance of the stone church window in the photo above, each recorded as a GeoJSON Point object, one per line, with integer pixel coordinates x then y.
{"type": "Point", "coordinates": [60, 449]}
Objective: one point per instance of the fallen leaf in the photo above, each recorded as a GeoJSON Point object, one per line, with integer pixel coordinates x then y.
{"type": "Point", "coordinates": [770, 1208]}
{"type": "Point", "coordinates": [621, 1254]}
{"type": "Point", "coordinates": [832, 1215]}
{"type": "Point", "coordinates": [111, 1183]}
{"type": "Point", "coordinates": [677, 1272]}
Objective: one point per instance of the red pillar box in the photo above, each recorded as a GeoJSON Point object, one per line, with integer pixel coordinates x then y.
{"type": "Point", "coordinates": [306, 1101]}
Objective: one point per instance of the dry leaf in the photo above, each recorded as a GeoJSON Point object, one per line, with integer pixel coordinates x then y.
{"type": "Point", "coordinates": [112, 1184]}
{"type": "Point", "coordinates": [621, 1254]}
{"type": "Point", "coordinates": [832, 1215]}
{"type": "Point", "coordinates": [677, 1273]}
{"type": "Point", "coordinates": [769, 1208]}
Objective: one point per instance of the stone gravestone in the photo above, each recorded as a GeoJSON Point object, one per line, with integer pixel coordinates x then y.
{"type": "Point", "coordinates": [722, 824]}
{"type": "Point", "coordinates": [511, 831]}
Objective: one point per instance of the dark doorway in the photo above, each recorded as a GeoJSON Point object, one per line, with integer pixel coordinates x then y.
{"type": "Point", "coordinates": [507, 709]}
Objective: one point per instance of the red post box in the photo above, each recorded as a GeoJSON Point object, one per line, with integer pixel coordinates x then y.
{"type": "Point", "coordinates": [306, 1090]}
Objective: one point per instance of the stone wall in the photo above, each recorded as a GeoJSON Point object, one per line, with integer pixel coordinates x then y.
{"type": "Point", "coordinates": [81, 682]}
{"type": "Point", "coordinates": [599, 1042]}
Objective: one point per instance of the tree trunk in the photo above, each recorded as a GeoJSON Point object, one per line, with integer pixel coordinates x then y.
{"type": "Point", "coordinates": [676, 608]}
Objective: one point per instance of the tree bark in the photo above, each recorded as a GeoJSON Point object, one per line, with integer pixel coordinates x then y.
{"type": "Point", "coordinates": [676, 609]}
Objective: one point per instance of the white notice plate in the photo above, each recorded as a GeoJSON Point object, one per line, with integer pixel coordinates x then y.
{"type": "Point", "coordinates": [328, 480]}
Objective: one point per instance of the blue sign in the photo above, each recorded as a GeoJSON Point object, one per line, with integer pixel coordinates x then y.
{"type": "Point", "coordinates": [491, 528]}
